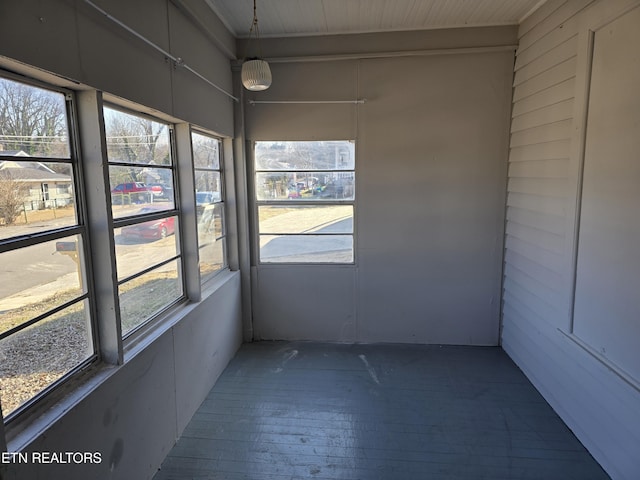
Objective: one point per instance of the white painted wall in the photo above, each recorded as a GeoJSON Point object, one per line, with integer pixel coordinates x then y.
{"type": "Point", "coordinates": [431, 153]}
{"type": "Point", "coordinates": [560, 350]}
{"type": "Point", "coordinates": [73, 40]}
{"type": "Point", "coordinates": [137, 411]}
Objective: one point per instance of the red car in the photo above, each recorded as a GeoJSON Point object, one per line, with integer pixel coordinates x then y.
{"type": "Point", "coordinates": [151, 230]}
{"type": "Point", "coordinates": [134, 191]}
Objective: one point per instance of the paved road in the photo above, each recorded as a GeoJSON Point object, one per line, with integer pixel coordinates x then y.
{"type": "Point", "coordinates": [36, 265]}
{"type": "Point", "coordinates": [32, 274]}
{"type": "Point", "coordinates": [308, 248]}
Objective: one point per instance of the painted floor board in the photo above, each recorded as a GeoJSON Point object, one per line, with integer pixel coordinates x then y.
{"type": "Point", "coordinates": [298, 410]}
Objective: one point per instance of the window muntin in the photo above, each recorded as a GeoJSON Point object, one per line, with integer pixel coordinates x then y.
{"type": "Point", "coordinates": [209, 204]}
{"type": "Point", "coordinates": [305, 194]}
{"type": "Point", "coordinates": [46, 330]}
{"type": "Point", "coordinates": [145, 217]}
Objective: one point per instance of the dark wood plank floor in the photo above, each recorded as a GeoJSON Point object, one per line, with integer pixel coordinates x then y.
{"type": "Point", "coordinates": [372, 412]}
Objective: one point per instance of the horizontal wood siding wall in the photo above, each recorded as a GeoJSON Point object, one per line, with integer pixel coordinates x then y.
{"type": "Point", "coordinates": [538, 273]}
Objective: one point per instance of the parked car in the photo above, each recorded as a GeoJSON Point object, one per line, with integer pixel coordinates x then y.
{"type": "Point", "coordinates": [151, 230]}
{"type": "Point", "coordinates": [205, 198]}
{"type": "Point", "coordinates": [161, 190]}
{"type": "Point", "coordinates": [131, 192]}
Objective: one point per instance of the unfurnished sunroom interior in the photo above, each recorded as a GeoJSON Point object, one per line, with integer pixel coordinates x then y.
{"type": "Point", "coordinates": [437, 173]}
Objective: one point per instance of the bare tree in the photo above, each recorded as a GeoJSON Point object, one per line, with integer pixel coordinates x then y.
{"type": "Point", "coordinates": [32, 120]}
{"type": "Point", "coordinates": [135, 139]}
{"type": "Point", "coordinates": [139, 142]}
{"type": "Point", "coordinates": [205, 152]}
{"type": "Point", "coordinates": [12, 196]}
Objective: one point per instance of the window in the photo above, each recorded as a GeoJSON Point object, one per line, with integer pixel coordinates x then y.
{"type": "Point", "coordinates": [46, 330]}
{"type": "Point", "coordinates": [145, 216]}
{"type": "Point", "coordinates": [51, 327]}
{"type": "Point", "coordinates": [209, 204]}
{"type": "Point", "coordinates": [305, 201]}
{"type": "Point", "coordinates": [45, 192]}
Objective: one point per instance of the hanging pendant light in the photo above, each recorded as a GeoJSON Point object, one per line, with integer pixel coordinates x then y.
{"type": "Point", "coordinates": [255, 73]}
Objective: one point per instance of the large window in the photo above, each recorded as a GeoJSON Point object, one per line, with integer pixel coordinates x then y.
{"type": "Point", "coordinates": [305, 201]}
{"type": "Point", "coordinates": [145, 216]}
{"type": "Point", "coordinates": [45, 309]}
{"type": "Point", "coordinates": [209, 204]}
{"type": "Point", "coordinates": [66, 304]}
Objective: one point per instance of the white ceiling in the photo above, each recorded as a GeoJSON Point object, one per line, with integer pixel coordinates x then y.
{"type": "Point", "coordinates": [325, 17]}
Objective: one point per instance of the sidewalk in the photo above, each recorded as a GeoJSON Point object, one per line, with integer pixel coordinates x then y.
{"type": "Point", "coordinates": [37, 294]}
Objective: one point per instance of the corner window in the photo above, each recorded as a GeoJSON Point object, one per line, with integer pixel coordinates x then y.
{"type": "Point", "coordinates": [209, 204]}
{"type": "Point", "coordinates": [46, 330]}
{"type": "Point", "coordinates": [305, 195]}
{"type": "Point", "coordinates": [145, 216]}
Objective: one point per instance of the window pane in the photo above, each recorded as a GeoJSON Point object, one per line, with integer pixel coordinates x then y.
{"type": "Point", "coordinates": [134, 139]}
{"type": "Point", "coordinates": [323, 186]}
{"type": "Point", "coordinates": [33, 121]}
{"type": "Point", "coordinates": [334, 155]}
{"type": "Point", "coordinates": [316, 180]}
{"type": "Point", "coordinates": [210, 239]}
{"type": "Point", "coordinates": [35, 197]}
{"type": "Point", "coordinates": [210, 210]}
{"type": "Point", "coordinates": [34, 358]}
{"type": "Point", "coordinates": [145, 244]}
{"type": "Point", "coordinates": [212, 258]}
{"type": "Point", "coordinates": [210, 223]}
{"type": "Point", "coordinates": [306, 248]}
{"type": "Point", "coordinates": [36, 279]}
{"type": "Point", "coordinates": [149, 294]}
{"type": "Point", "coordinates": [206, 151]}
{"type": "Point", "coordinates": [208, 186]}
{"type": "Point", "coordinates": [306, 219]}
{"type": "Point", "coordinates": [128, 194]}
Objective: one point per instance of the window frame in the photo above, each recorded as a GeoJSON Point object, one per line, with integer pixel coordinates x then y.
{"type": "Point", "coordinates": [80, 229]}
{"type": "Point", "coordinates": [132, 335]}
{"type": "Point", "coordinates": [222, 202]}
{"type": "Point", "coordinates": [90, 189]}
{"type": "Point", "coordinates": [294, 202]}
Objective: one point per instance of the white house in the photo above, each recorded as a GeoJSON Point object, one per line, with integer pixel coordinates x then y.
{"type": "Point", "coordinates": [43, 187]}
